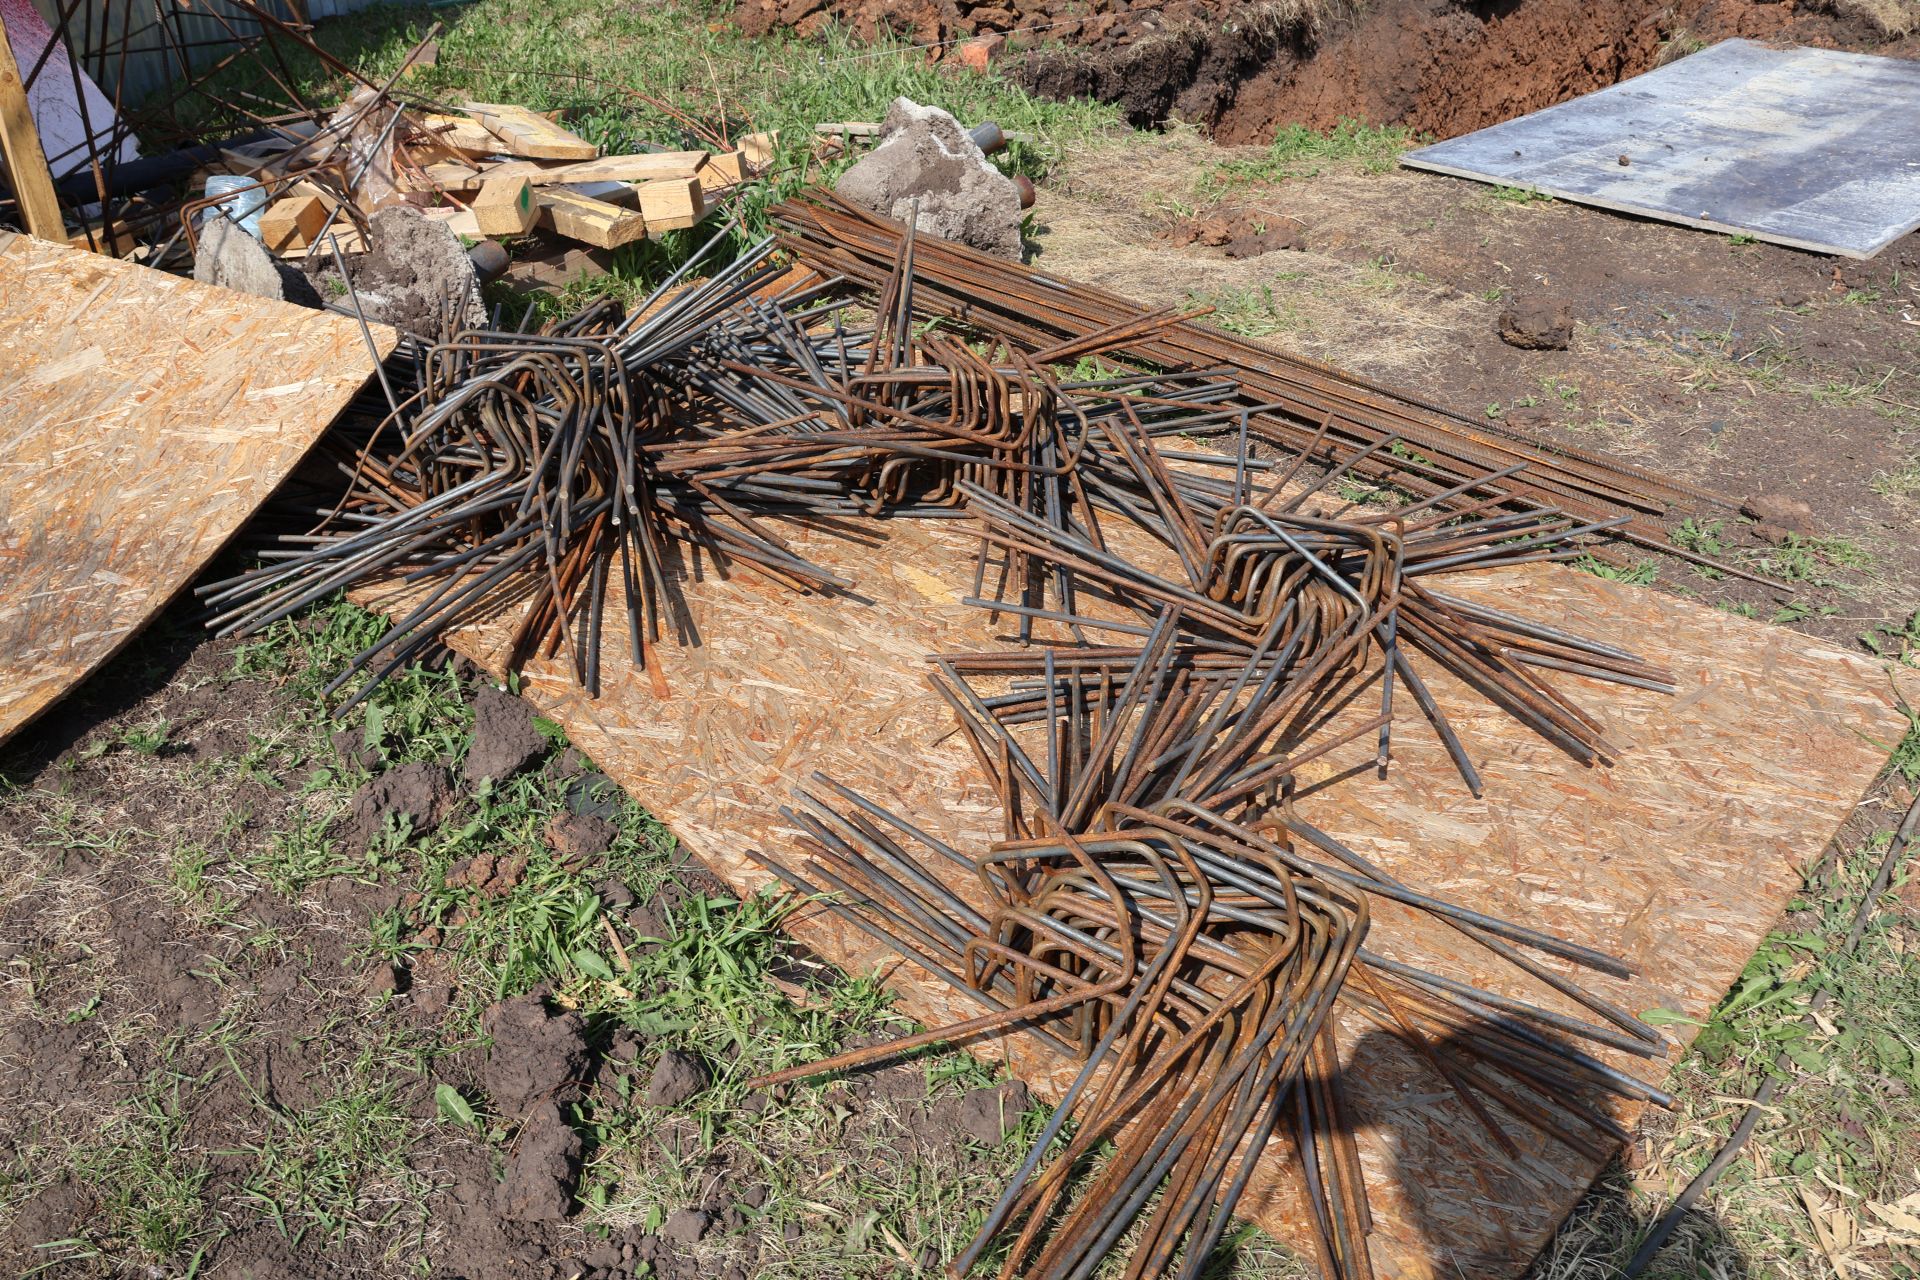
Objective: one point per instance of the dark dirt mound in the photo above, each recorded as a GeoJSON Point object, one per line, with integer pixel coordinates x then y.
{"type": "Point", "coordinates": [415, 795]}
{"type": "Point", "coordinates": [504, 738]}
{"type": "Point", "coordinates": [1443, 67]}
{"type": "Point", "coordinates": [537, 1055]}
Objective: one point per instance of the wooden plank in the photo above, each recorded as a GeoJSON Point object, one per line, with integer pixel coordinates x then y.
{"type": "Point", "coordinates": [462, 222]}
{"type": "Point", "coordinates": [118, 240]}
{"type": "Point", "coordinates": [671, 203]}
{"type": "Point", "coordinates": [524, 133]}
{"type": "Point", "coordinates": [645, 167]}
{"type": "Point", "coordinates": [505, 207]}
{"type": "Point", "coordinates": [464, 134]}
{"type": "Point", "coordinates": [27, 170]}
{"type": "Point", "coordinates": [729, 167]}
{"type": "Point", "coordinates": [143, 419]}
{"type": "Point", "coordinates": [292, 223]}
{"type": "Point", "coordinates": [590, 221]}
{"type": "Point", "coordinates": [342, 231]}
{"type": "Point", "coordinates": [757, 150]}
{"type": "Point", "coordinates": [1679, 858]}
{"type": "Point", "coordinates": [722, 173]}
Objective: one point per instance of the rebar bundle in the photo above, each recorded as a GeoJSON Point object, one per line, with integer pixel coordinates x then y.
{"type": "Point", "coordinates": [1297, 406]}
{"type": "Point", "coordinates": [1189, 624]}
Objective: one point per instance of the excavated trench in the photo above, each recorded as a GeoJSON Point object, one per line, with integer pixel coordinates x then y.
{"type": "Point", "coordinates": [1443, 67]}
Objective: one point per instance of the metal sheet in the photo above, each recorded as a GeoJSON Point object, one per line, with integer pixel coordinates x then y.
{"type": "Point", "coordinates": [1804, 147]}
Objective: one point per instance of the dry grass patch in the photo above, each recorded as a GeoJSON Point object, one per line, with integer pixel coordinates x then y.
{"type": "Point", "coordinates": [1893, 19]}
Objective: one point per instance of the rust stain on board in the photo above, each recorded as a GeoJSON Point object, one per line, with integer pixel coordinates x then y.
{"type": "Point", "coordinates": [1679, 858]}
{"type": "Point", "coordinates": [129, 454]}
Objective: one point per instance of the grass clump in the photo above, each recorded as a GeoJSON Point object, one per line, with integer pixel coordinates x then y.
{"type": "Point", "coordinates": [1895, 641]}
{"type": "Point", "coordinates": [1641, 573]}
{"type": "Point", "coordinates": [1811, 560]}
{"type": "Point", "coordinates": [1299, 152]}
{"type": "Point", "coordinates": [1253, 312]}
{"type": "Point", "coordinates": [151, 1185]}
{"type": "Point", "coordinates": [1904, 482]}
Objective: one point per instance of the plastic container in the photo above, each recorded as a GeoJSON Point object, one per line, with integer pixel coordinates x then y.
{"type": "Point", "coordinates": [244, 207]}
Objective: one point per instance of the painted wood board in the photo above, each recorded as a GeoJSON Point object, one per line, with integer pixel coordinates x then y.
{"type": "Point", "coordinates": [1811, 148]}
{"type": "Point", "coordinates": [143, 419]}
{"type": "Point", "coordinates": [1680, 858]}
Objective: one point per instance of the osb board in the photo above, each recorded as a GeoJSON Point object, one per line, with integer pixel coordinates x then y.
{"type": "Point", "coordinates": [1679, 858]}
{"type": "Point", "coordinates": [143, 419]}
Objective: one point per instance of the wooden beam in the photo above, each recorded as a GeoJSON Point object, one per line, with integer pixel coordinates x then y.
{"type": "Point", "coordinates": [463, 134]}
{"type": "Point", "coordinates": [730, 166]}
{"type": "Point", "coordinates": [671, 203]}
{"type": "Point", "coordinates": [505, 207]}
{"type": "Point", "coordinates": [590, 221]}
{"type": "Point", "coordinates": [292, 223]}
{"type": "Point", "coordinates": [26, 162]}
{"type": "Point", "coordinates": [758, 149]}
{"type": "Point", "coordinates": [645, 167]}
{"type": "Point", "coordinates": [526, 134]}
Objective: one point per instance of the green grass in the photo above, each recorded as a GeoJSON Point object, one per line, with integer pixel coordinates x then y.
{"type": "Point", "coordinates": [1811, 560]}
{"type": "Point", "coordinates": [339, 1164]}
{"type": "Point", "coordinates": [1848, 1112]}
{"type": "Point", "coordinates": [1641, 573]}
{"type": "Point", "coordinates": [1253, 312]}
{"type": "Point", "coordinates": [1299, 152]}
{"type": "Point", "coordinates": [1896, 641]}
{"type": "Point", "coordinates": [148, 739]}
{"type": "Point", "coordinates": [1704, 537]}
{"type": "Point", "coordinates": [1904, 482]}
{"type": "Point", "coordinates": [1519, 195]}
{"type": "Point", "coordinates": [150, 1183]}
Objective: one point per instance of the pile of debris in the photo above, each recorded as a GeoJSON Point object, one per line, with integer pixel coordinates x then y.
{"type": "Point", "coordinates": [486, 169]}
{"type": "Point", "coordinates": [1185, 617]}
{"type": "Point", "coordinates": [386, 198]}
{"type": "Point", "coordinates": [1156, 910]}
{"type": "Point", "coordinates": [385, 190]}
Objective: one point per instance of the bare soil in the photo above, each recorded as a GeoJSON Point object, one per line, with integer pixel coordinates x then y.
{"type": "Point", "coordinates": [210, 1066]}
{"type": "Point", "coordinates": [1439, 67]}
{"type": "Point", "coordinates": [1748, 368]}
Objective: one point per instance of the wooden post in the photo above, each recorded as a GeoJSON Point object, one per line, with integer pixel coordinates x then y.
{"type": "Point", "coordinates": [26, 162]}
{"type": "Point", "coordinates": [505, 207]}
{"type": "Point", "coordinates": [594, 222]}
{"type": "Point", "coordinates": [292, 222]}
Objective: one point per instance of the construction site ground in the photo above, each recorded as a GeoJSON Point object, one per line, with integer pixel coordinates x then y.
{"type": "Point", "coordinates": [248, 952]}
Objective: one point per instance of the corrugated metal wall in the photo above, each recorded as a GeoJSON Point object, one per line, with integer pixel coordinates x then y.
{"type": "Point", "coordinates": [123, 44]}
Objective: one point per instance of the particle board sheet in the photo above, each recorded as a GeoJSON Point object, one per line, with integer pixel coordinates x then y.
{"type": "Point", "coordinates": [1679, 859]}
{"type": "Point", "coordinates": [1805, 147]}
{"type": "Point", "coordinates": [143, 419]}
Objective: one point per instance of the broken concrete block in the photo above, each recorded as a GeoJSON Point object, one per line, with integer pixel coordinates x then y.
{"type": "Point", "coordinates": [417, 277]}
{"type": "Point", "coordinates": [924, 154]}
{"type": "Point", "coordinates": [227, 256]}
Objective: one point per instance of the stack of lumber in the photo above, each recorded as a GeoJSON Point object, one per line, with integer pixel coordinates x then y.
{"type": "Point", "coordinates": [496, 169]}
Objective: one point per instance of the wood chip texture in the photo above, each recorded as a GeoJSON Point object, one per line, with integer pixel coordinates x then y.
{"type": "Point", "coordinates": [143, 419]}
{"type": "Point", "coordinates": [1679, 858]}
